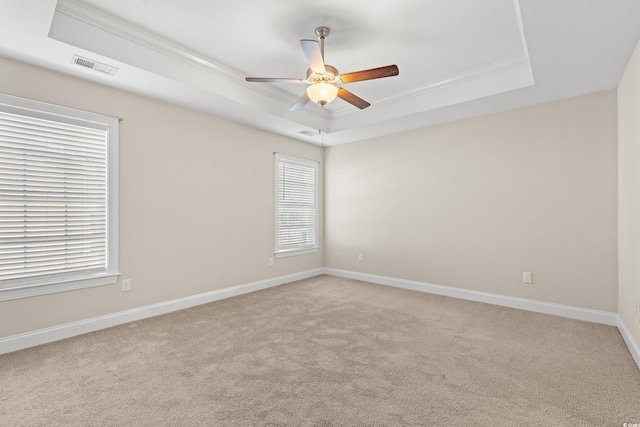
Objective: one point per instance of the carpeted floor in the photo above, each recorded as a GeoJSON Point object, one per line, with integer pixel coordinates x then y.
{"type": "Point", "coordinates": [329, 352]}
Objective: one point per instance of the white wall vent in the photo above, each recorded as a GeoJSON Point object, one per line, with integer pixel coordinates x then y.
{"type": "Point", "coordinates": [309, 133]}
{"type": "Point", "coordinates": [94, 65]}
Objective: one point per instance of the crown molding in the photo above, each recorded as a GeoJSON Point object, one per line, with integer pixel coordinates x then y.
{"type": "Point", "coordinates": [107, 22]}
{"type": "Point", "coordinates": [496, 68]}
{"type": "Point", "coordinates": [479, 73]}
{"type": "Point", "coordinates": [104, 21]}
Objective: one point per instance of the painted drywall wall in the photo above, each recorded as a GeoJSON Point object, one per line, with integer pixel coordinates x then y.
{"type": "Point", "coordinates": [629, 196]}
{"type": "Point", "coordinates": [196, 202]}
{"type": "Point", "coordinates": [473, 204]}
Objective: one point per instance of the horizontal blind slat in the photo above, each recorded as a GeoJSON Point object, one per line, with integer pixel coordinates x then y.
{"type": "Point", "coordinates": [52, 198]}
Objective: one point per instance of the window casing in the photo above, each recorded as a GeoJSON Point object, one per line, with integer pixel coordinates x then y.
{"type": "Point", "coordinates": [296, 206]}
{"type": "Point", "coordinates": [58, 198]}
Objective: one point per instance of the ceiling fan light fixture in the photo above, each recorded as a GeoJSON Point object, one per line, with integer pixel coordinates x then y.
{"type": "Point", "coordinates": [322, 93]}
{"type": "Point", "coordinates": [323, 78]}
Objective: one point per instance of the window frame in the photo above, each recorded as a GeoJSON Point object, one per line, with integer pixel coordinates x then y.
{"type": "Point", "coordinates": [314, 164]}
{"type": "Point", "coordinates": [41, 286]}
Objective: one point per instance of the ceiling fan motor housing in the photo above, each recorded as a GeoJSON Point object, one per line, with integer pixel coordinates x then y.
{"type": "Point", "coordinates": [329, 76]}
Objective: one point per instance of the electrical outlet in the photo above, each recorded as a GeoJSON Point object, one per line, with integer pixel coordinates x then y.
{"type": "Point", "coordinates": [270, 262]}
{"type": "Point", "coordinates": [526, 277]}
{"type": "Point", "coordinates": [126, 285]}
{"type": "Point", "coordinates": [638, 312]}
{"type": "Point", "coordinates": [360, 257]}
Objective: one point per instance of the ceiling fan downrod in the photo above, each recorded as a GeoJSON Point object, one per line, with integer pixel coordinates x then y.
{"type": "Point", "coordinates": [322, 33]}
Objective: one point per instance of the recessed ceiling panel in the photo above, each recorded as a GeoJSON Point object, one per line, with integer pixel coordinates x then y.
{"type": "Point", "coordinates": [430, 40]}
{"type": "Point", "coordinates": [457, 58]}
{"type": "Point", "coordinates": [438, 45]}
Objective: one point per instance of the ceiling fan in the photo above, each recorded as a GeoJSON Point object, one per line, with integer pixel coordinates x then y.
{"type": "Point", "coordinates": [323, 79]}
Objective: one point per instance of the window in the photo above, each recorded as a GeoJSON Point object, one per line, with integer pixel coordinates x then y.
{"type": "Point", "coordinates": [296, 206]}
{"type": "Point", "coordinates": [58, 198]}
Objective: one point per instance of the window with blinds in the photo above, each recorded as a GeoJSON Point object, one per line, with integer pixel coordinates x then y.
{"type": "Point", "coordinates": [57, 200]}
{"type": "Point", "coordinates": [296, 205]}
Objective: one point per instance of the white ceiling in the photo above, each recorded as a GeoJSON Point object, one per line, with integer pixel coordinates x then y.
{"type": "Point", "coordinates": [457, 58]}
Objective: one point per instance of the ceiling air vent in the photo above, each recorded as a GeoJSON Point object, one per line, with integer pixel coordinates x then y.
{"type": "Point", "coordinates": [309, 133]}
{"type": "Point", "coordinates": [97, 66]}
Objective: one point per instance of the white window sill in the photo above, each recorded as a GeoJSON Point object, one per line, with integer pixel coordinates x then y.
{"type": "Point", "coordinates": [296, 252]}
{"type": "Point", "coordinates": [59, 286]}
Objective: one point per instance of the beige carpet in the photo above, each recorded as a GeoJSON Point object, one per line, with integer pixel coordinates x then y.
{"type": "Point", "coordinates": [329, 352]}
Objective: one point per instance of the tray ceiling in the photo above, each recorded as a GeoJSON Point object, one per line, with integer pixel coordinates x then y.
{"type": "Point", "coordinates": [457, 58]}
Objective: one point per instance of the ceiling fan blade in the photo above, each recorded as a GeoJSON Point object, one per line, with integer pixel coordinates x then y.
{"type": "Point", "coordinates": [273, 80]}
{"type": "Point", "coordinates": [352, 99]}
{"type": "Point", "coordinates": [370, 74]}
{"type": "Point", "coordinates": [301, 102]}
{"type": "Point", "coordinates": [314, 55]}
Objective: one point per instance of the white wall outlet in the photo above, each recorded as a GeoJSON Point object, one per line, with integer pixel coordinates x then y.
{"type": "Point", "coordinates": [526, 277]}
{"type": "Point", "coordinates": [638, 312]}
{"type": "Point", "coordinates": [270, 262]}
{"type": "Point", "coordinates": [126, 285]}
{"type": "Point", "coordinates": [360, 257]}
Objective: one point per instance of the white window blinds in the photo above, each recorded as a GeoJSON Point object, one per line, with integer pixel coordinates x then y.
{"type": "Point", "coordinates": [54, 199]}
{"type": "Point", "coordinates": [296, 205]}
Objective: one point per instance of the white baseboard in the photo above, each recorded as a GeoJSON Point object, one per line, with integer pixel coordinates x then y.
{"type": "Point", "coordinates": [43, 336]}
{"type": "Point", "coordinates": [594, 316]}
{"type": "Point", "coordinates": [634, 349]}
{"type": "Point", "coordinates": [577, 313]}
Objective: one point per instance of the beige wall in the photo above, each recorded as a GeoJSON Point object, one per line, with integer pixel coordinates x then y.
{"type": "Point", "coordinates": [475, 203]}
{"type": "Point", "coordinates": [629, 195]}
{"type": "Point", "coordinates": [470, 204]}
{"type": "Point", "coordinates": [196, 202]}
